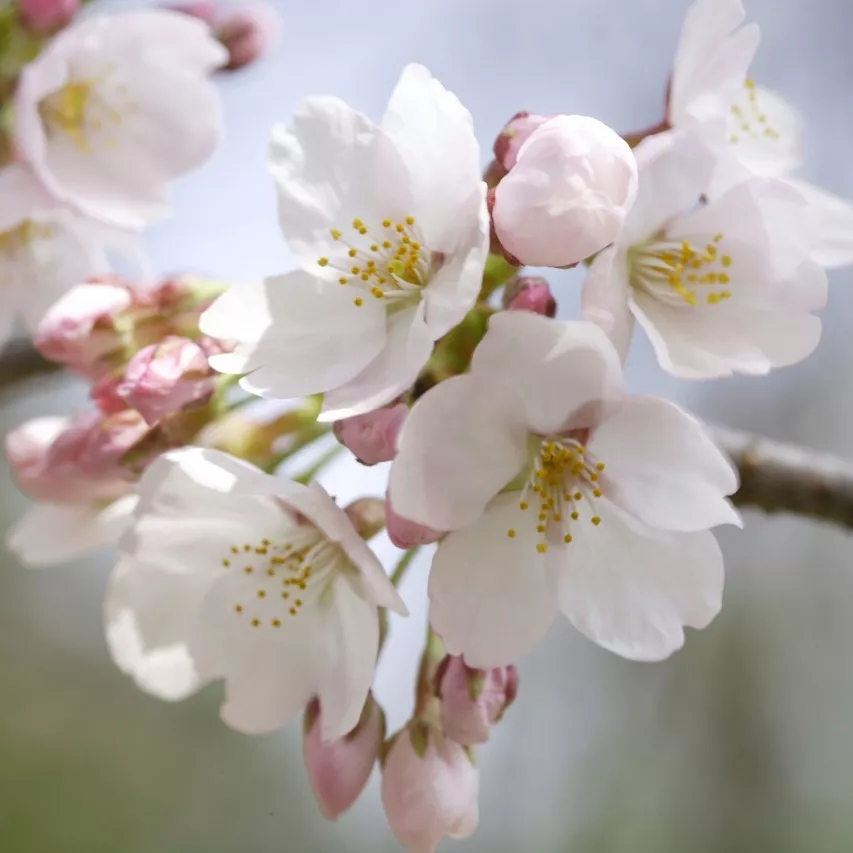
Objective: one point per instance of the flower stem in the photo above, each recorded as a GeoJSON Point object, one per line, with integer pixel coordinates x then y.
{"type": "Point", "coordinates": [312, 470]}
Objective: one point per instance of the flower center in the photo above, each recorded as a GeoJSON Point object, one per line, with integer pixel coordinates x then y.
{"type": "Point", "coordinates": [22, 236]}
{"type": "Point", "coordinates": [564, 475]}
{"type": "Point", "coordinates": [275, 579]}
{"type": "Point", "coordinates": [389, 263]}
{"type": "Point", "coordinates": [80, 111]}
{"type": "Point", "coordinates": [680, 273]}
{"type": "Point", "coordinates": [747, 120]}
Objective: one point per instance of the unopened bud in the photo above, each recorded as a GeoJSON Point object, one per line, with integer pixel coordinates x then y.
{"type": "Point", "coordinates": [338, 771]}
{"type": "Point", "coordinates": [429, 788]}
{"type": "Point", "coordinates": [530, 293]}
{"type": "Point", "coordinates": [47, 16]}
{"type": "Point", "coordinates": [473, 700]}
{"type": "Point", "coordinates": [80, 330]}
{"type": "Point", "coordinates": [405, 533]}
{"type": "Point", "coordinates": [367, 516]}
{"type": "Point", "coordinates": [567, 196]}
{"type": "Point", "coordinates": [516, 132]}
{"type": "Point", "coordinates": [247, 35]}
{"type": "Point", "coordinates": [166, 377]}
{"type": "Point", "coordinates": [372, 437]}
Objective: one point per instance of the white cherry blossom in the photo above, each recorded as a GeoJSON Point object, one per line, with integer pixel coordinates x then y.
{"type": "Point", "coordinates": [230, 573]}
{"type": "Point", "coordinates": [722, 288]}
{"type": "Point", "coordinates": [561, 495]}
{"type": "Point", "coordinates": [115, 108]}
{"type": "Point", "coordinates": [390, 226]}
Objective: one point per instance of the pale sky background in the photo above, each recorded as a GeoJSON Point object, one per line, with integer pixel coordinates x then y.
{"type": "Point", "coordinates": [590, 733]}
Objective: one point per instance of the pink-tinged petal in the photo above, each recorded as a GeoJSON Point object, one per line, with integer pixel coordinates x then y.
{"type": "Point", "coordinates": [372, 437]}
{"type": "Point", "coordinates": [568, 195]}
{"type": "Point", "coordinates": [675, 170]}
{"type": "Point", "coordinates": [663, 468]}
{"type": "Point", "coordinates": [149, 615]}
{"type": "Point", "coordinates": [605, 298]}
{"type": "Point", "coordinates": [433, 135]}
{"type": "Point", "coordinates": [492, 595]}
{"type": "Point", "coordinates": [405, 533]}
{"type": "Point", "coordinates": [515, 133]}
{"type": "Point", "coordinates": [298, 334]}
{"type": "Point", "coordinates": [463, 442]}
{"type": "Point", "coordinates": [632, 590]}
{"type": "Point", "coordinates": [406, 348]}
{"type": "Point", "coordinates": [833, 216]}
{"type": "Point", "coordinates": [557, 371]}
{"type": "Point", "coordinates": [323, 167]}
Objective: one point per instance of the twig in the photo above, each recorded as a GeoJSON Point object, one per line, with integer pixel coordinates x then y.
{"type": "Point", "coordinates": [20, 362]}
{"type": "Point", "coordinates": [778, 477]}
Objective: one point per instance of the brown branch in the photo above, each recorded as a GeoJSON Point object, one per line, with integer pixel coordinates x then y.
{"type": "Point", "coordinates": [20, 362]}
{"type": "Point", "coordinates": [778, 477]}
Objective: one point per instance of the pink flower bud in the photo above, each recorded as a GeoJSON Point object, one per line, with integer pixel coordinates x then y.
{"type": "Point", "coordinates": [372, 437]}
{"type": "Point", "coordinates": [405, 533]}
{"type": "Point", "coordinates": [47, 16]}
{"type": "Point", "coordinates": [79, 330]}
{"type": "Point", "coordinates": [514, 135]}
{"type": "Point", "coordinates": [248, 34]}
{"type": "Point", "coordinates": [473, 700]}
{"type": "Point", "coordinates": [567, 196]}
{"type": "Point", "coordinates": [338, 771]}
{"type": "Point", "coordinates": [429, 788]}
{"type": "Point", "coordinates": [166, 377]}
{"type": "Point", "coordinates": [530, 293]}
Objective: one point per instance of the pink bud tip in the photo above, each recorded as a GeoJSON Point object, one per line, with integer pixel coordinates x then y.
{"type": "Point", "coordinates": [405, 533]}
{"type": "Point", "coordinates": [514, 135]}
{"type": "Point", "coordinates": [372, 437]}
{"type": "Point", "coordinates": [338, 771]}
{"type": "Point", "coordinates": [47, 16]}
{"type": "Point", "coordinates": [248, 34]}
{"type": "Point", "coordinates": [530, 293]}
{"type": "Point", "coordinates": [473, 700]}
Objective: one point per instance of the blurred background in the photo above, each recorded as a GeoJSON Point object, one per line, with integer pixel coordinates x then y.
{"type": "Point", "coordinates": [742, 742]}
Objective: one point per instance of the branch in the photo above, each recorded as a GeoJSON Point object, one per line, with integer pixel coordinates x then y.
{"type": "Point", "coordinates": [20, 362]}
{"type": "Point", "coordinates": [779, 477]}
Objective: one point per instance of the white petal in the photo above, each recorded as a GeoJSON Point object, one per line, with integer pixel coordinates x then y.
{"type": "Point", "coordinates": [433, 135]}
{"type": "Point", "coordinates": [351, 639]}
{"type": "Point", "coordinates": [21, 196]}
{"type": "Point", "coordinates": [675, 170]}
{"type": "Point", "coordinates": [300, 334]}
{"type": "Point", "coordinates": [53, 533]}
{"type": "Point", "coordinates": [407, 347]}
{"type": "Point", "coordinates": [492, 597]}
{"type": "Point", "coordinates": [463, 441]}
{"type": "Point", "coordinates": [558, 371]}
{"type": "Point", "coordinates": [834, 218]}
{"type": "Point", "coordinates": [149, 615]}
{"type": "Point", "coordinates": [632, 590]}
{"type": "Point", "coordinates": [324, 168]}
{"type": "Point", "coordinates": [663, 468]}
{"type": "Point", "coordinates": [604, 298]}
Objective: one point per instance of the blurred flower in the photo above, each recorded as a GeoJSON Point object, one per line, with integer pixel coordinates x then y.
{"type": "Point", "coordinates": [372, 437]}
{"type": "Point", "coordinates": [402, 226]}
{"type": "Point", "coordinates": [473, 700]}
{"type": "Point", "coordinates": [725, 288]}
{"type": "Point", "coordinates": [80, 329]}
{"type": "Point", "coordinates": [568, 193]}
{"type": "Point", "coordinates": [247, 34]}
{"type": "Point", "coordinates": [561, 494]}
{"type": "Point", "coordinates": [530, 293]}
{"type": "Point", "coordinates": [429, 788]}
{"type": "Point", "coordinates": [277, 593]}
{"type": "Point", "coordinates": [751, 130]}
{"type": "Point", "coordinates": [47, 16]}
{"type": "Point", "coordinates": [339, 770]}
{"type": "Point", "coordinates": [166, 377]}
{"type": "Point", "coordinates": [115, 108]}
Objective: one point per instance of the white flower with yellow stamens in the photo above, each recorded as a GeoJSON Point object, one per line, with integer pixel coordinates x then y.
{"type": "Point", "coordinates": [390, 226]}
{"type": "Point", "coordinates": [561, 494]}
{"type": "Point", "coordinates": [118, 106]}
{"type": "Point", "coordinates": [720, 288]}
{"type": "Point", "coordinates": [230, 573]}
{"type": "Point", "coordinates": [751, 130]}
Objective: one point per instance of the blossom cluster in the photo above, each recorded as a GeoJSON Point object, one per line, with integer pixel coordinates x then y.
{"type": "Point", "coordinates": [410, 333]}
